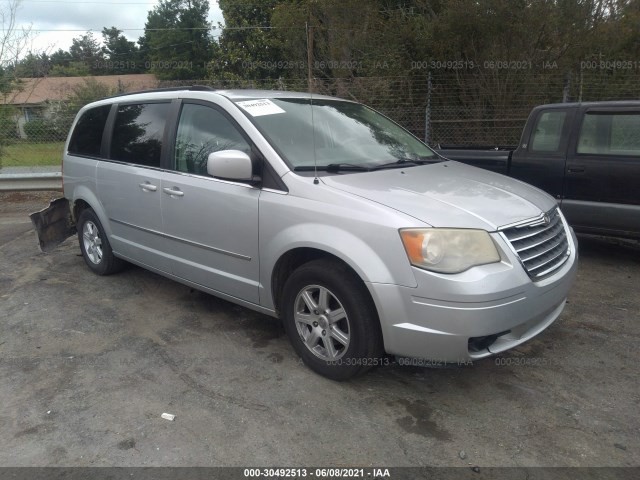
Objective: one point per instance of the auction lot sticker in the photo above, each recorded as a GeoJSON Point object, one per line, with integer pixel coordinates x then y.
{"type": "Point", "coordinates": [257, 108]}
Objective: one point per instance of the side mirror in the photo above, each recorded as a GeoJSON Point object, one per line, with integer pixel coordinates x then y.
{"type": "Point", "coordinates": [230, 165]}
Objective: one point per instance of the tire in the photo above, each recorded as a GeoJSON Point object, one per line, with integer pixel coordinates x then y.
{"type": "Point", "coordinates": [95, 246]}
{"type": "Point", "coordinates": [341, 347]}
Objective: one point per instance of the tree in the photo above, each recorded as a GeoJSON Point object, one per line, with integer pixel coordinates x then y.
{"type": "Point", "coordinates": [14, 41]}
{"type": "Point", "coordinates": [87, 50]}
{"type": "Point", "coordinates": [34, 65]}
{"type": "Point", "coordinates": [121, 54]}
{"type": "Point", "coordinates": [353, 38]}
{"type": "Point", "coordinates": [60, 58]}
{"type": "Point", "coordinates": [73, 69]}
{"type": "Point", "coordinates": [248, 51]}
{"type": "Point", "coordinates": [266, 39]}
{"type": "Point", "coordinates": [63, 64]}
{"type": "Point", "coordinates": [176, 41]}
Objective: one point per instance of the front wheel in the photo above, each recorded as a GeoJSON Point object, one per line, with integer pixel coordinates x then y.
{"type": "Point", "coordinates": [330, 320]}
{"type": "Point", "coordinates": [95, 246]}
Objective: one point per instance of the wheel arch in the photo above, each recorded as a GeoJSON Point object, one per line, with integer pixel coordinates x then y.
{"type": "Point", "coordinates": [78, 207]}
{"type": "Point", "coordinates": [295, 258]}
{"type": "Point", "coordinates": [84, 198]}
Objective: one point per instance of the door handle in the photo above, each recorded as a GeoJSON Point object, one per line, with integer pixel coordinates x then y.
{"type": "Point", "coordinates": [575, 170]}
{"type": "Point", "coordinates": [174, 192]}
{"type": "Point", "coordinates": [147, 187]}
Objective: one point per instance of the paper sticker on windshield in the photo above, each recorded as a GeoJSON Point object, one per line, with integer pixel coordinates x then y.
{"type": "Point", "coordinates": [257, 108]}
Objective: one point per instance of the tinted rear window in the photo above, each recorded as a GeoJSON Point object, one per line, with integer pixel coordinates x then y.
{"type": "Point", "coordinates": [87, 136]}
{"type": "Point", "coordinates": [137, 133]}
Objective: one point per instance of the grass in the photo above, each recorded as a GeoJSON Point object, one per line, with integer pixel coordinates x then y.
{"type": "Point", "coordinates": [31, 154]}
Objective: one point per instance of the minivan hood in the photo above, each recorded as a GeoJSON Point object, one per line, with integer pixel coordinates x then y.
{"type": "Point", "coordinates": [448, 194]}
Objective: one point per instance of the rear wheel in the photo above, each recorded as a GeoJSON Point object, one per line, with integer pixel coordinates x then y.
{"type": "Point", "coordinates": [330, 320]}
{"type": "Point", "coordinates": [95, 246]}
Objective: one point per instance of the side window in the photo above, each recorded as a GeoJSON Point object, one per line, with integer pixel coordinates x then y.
{"type": "Point", "coordinates": [137, 133]}
{"type": "Point", "coordinates": [610, 134]}
{"type": "Point", "coordinates": [590, 141]}
{"type": "Point", "coordinates": [548, 132]}
{"type": "Point", "coordinates": [87, 135]}
{"type": "Point", "coordinates": [624, 134]}
{"type": "Point", "coordinates": [201, 131]}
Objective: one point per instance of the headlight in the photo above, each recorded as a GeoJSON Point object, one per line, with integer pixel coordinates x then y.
{"type": "Point", "coordinates": [448, 250]}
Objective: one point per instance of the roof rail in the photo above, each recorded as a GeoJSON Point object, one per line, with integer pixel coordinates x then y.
{"type": "Point", "coordinates": [166, 89]}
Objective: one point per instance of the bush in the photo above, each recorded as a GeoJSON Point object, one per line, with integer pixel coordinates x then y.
{"type": "Point", "coordinates": [40, 130]}
{"type": "Point", "coordinates": [8, 129]}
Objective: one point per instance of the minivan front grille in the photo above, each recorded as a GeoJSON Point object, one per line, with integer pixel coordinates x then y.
{"type": "Point", "coordinates": [542, 245]}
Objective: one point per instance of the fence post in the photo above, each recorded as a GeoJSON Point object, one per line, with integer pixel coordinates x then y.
{"type": "Point", "coordinates": [566, 90]}
{"type": "Point", "coordinates": [581, 81]}
{"type": "Point", "coordinates": [427, 115]}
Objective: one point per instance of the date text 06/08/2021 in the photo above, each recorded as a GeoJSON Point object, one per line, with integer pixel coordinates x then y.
{"type": "Point", "coordinates": [317, 472]}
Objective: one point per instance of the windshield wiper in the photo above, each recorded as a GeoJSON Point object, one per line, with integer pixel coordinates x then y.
{"type": "Point", "coordinates": [333, 167]}
{"type": "Point", "coordinates": [403, 162]}
{"type": "Point", "coordinates": [354, 167]}
{"type": "Point", "coordinates": [336, 167]}
{"type": "Point", "coordinates": [407, 162]}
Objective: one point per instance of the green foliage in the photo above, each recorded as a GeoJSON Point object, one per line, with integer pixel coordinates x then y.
{"type": "Point", "coordinates": [34, 65]}
{"type": "Point", "coordinates": [60, 57]}
{"type": "Point", "coordinates": [176, 42]}
{"type": "Point", "coordinates": [8, 126]}
{"type": "Point", "coordinates": [360, 38]}
{"type": "Point", "coordinates": [72, 69]}
{"type": "Point", "coordinates": [42, 130]}
{"type": "Point", "coordinates": [8, 82]}
{"type": "Point", "coordinates": [246, 50]}
{"type": "Point", "coordinates": [90, 91]}
{"type": "Point", "coordinates": [122, 56]}
{"type": "Point", "coordinates": [60, 62]}
{"type": "Point", "coordinates": [352, 38]}
{"type": "Point", "coordinates": [473, 59]}
{"type": "Point", "coordinates": [86, 50]}
{"type": "Point", "coordinates": [8, 129]}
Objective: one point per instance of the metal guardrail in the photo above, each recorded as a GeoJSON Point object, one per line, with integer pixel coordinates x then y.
{"type": "Point", "coordinates": [19, 182]}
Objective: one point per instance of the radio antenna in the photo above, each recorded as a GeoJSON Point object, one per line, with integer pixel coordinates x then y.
{"type": "Point", "coordinates": [310, 88]}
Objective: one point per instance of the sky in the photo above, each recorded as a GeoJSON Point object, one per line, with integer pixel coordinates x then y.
{"type": "Point", "coordinates": [56, 22]}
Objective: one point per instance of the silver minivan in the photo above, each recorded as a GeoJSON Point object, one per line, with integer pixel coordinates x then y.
{"type": "Point", "coordinates": [324, 213]}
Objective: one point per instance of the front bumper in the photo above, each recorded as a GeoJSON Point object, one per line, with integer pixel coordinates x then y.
{"type": "Point", "coordinates": [474, 314]}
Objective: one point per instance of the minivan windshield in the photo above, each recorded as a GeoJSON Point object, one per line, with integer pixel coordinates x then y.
{"type": "Point", "coordinates": [346, 135]}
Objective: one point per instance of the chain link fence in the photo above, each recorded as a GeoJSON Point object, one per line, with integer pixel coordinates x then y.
{"type": "Point", "coordinates": [489, 108]}
{"type": "Point", "coordinates": [31, 136]}
{"type": "Point", "coordinates": [464, 108]}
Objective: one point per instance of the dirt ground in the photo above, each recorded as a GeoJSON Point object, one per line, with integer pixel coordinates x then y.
{"type": "Point", "coordinates": [88, 364]}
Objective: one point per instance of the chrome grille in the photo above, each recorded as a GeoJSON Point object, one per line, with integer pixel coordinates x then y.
{"type": "Point", "coordinates": [542, 245]}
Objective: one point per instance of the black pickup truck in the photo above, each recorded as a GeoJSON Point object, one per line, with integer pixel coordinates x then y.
{"type": "Point", "coordinates": [587, 155]}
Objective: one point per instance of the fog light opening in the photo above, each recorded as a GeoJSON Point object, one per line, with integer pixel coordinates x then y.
{"type": "Point", "coordinates": [478, 344]}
